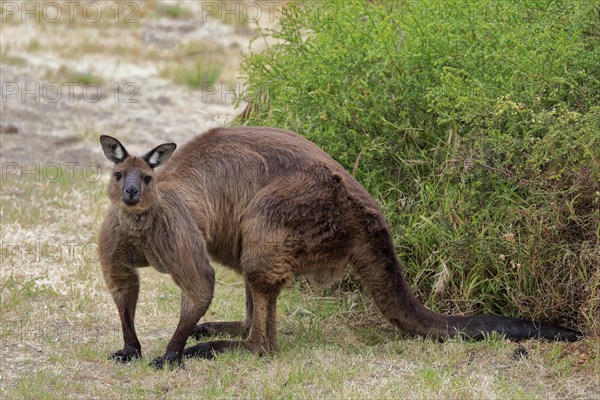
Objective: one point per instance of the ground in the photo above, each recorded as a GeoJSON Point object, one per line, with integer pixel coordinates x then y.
{"type": "Point", "coordinates": [58, 323]}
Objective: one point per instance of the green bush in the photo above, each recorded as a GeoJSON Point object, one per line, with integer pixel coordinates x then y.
{"type": "Point", "coordinates": [476, 125]}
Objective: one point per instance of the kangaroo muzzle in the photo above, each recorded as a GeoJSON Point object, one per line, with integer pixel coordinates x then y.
{"type": "Point", "coordinates": [131, 189]}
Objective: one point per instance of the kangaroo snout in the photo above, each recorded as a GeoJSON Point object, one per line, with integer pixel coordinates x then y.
{"type": "Point", "coordinates": [131, 194]}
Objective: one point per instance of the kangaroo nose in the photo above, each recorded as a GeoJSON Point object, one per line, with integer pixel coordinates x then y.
{"type": "Point", "coordinates": [132, 191]}
{"type": "Point", "coordinates": [132, 194]}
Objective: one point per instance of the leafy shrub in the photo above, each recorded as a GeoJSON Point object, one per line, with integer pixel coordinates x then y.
{"type": "Point", "coordinates": [476, 125]}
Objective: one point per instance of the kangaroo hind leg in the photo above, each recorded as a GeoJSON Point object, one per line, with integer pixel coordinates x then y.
{"type": "Point", "coordinates": [228, 328]}
{"type": "Point", "coordinates": [267, 270]}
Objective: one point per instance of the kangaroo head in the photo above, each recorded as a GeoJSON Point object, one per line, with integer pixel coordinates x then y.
{"type": "Point", "coordinates": [131, 186]}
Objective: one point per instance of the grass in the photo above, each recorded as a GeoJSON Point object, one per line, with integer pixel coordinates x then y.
{"type": "Point", "coordinates": [174, 11]}
{"type": "Point", "coordinates": [34, 45]}
{"type": "Point", "coordinates": [58, 324]}
{"type": "Point", "coordinates": [195, 74]}
{"type": "Point", "coordinates": [66, 74]}
{"type": "Point", "coordinates": [194, 64]}
{"type": "Point", "coordinates": [185, 63]}
{"type": "Point", "coordinates": [7, 58]}
{"type": "Point", "coordinates": [239, 15]}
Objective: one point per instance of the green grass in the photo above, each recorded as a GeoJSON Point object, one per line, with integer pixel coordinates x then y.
{"type": "Point", "coordinates": [34, 45]}
{"type": "Point", "coordinates": [196, 74]}
{"type": "Point", "coordinates": [13, 60]}
{"type": "Point", "coordinates": [174, 11]}
{"type": "Point", "coordinates": [66, 74]}
{"type": "Point", "coordinates": [238, 15]}
{"type": "Point", "coordinates": [7, 58]}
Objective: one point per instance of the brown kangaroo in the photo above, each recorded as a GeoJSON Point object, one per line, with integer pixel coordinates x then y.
{"type": "Point", "coordinates": [270, 205]}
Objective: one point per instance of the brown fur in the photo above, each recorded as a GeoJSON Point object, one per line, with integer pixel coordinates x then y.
{"type": "Point", "coordinates": [270, 205]}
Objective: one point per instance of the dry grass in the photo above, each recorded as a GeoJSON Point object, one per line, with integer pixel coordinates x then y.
{"type": "Point", "coordinates": [59, 324]}
{"type": "Point", "coordinates": [153, 37]}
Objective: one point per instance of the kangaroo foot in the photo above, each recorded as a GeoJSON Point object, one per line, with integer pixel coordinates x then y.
{"type": "Point", "coordinates": [206, 329]}
{"type": "Point", "coordinates": [128, 353]}
{"type": "Point", "coordinates": [171, 360]}
{"type": "Point", "coordinates": [209, 349]}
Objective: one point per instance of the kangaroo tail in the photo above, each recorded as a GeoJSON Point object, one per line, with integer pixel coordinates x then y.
{"type": "Point", "coordinates": [382, 275]}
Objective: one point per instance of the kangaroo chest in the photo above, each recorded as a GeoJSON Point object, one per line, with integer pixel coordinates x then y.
{"type": "Point", "coordinates": [139, 229]}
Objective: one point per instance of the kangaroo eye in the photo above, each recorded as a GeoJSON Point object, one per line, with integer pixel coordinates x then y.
{"type": "Point", "coordinates": [118, 176]}
{"type": "Point", "coordinates": [147, 179]}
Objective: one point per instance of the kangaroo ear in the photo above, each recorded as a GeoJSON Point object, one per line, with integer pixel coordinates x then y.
{"type": "Point", "coordinates": [160, 155]}
{"type": "Point", "coordinates": [113, 149]}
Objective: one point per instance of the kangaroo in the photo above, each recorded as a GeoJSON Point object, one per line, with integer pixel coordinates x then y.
{"type": "Point", "coordinates": [271, 205]}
